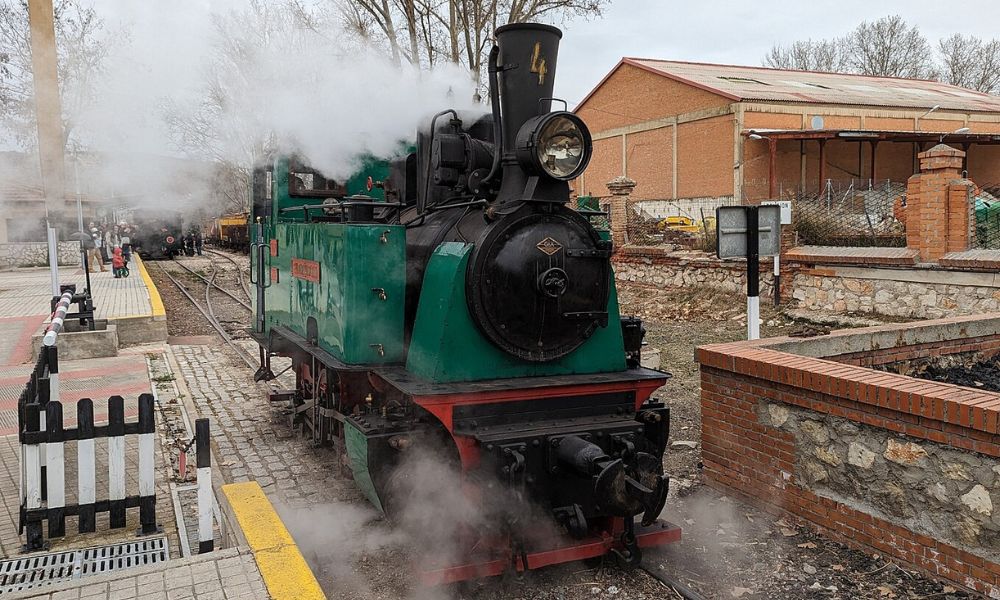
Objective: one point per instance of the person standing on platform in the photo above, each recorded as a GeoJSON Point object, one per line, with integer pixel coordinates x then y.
{"type": "Point", "coordinates": [126, 240]}
{"type": "Point", "coordinates": [110, 240]}
{"type": "Point", "coordinates": [101, 246]}
{"type": "Point", "coordinates": [199, 243]}
{"type": "Point", "coordinates": [93, 254]}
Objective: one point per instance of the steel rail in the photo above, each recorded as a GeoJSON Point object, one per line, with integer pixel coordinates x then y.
{"type": "Point", "coordinates": [672, 583]}
{"type": "Point", "coordinates": [239, 270]}
{"type": "Point", "coordinates": [210, 317]}
{"type": "Point", "coordinates": [242, 303]}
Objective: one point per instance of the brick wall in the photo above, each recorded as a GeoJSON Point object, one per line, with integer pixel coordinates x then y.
{"type": "Point", "coordinates": [705, 157]}
{"type": "Point", "coordinates": [877, 460]}
{"type": "Point", "coordinates": [633, 95]}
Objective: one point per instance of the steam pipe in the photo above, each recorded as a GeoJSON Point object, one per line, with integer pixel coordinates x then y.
{"type": "Point", "coordinates": [495, 108]}
{"type": "Point", "coordinates": [427, 182]}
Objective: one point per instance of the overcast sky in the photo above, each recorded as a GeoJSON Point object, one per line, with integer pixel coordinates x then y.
{"type": "Point", "coordinates": [739, 32]}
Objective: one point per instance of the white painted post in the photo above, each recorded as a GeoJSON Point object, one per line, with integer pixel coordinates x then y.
{"type": "Point", "coordinates": [53, 239]}
{"type": "Point", "coordinates": [147, 467]}
{"type": "Point", "coordinates": [753, 317]}
{"type": "Point", "coordinates": [86, 466]}
{"type": "Point", "coordinates": [116, 461]}
{"type": "Point", "coordinates": [206, 539]}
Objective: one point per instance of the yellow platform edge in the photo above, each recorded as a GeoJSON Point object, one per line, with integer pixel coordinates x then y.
{"type": "Point", "coordinates": [282, 566]}
{"type": "Point", "coordinates": [154, 294]}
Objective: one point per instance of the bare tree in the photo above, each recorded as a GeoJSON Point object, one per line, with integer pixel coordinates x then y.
{"type": "Point", "coordinates": [82, 46]}
{"type": "Point", "coordinates": [821, 55]}
{"type": "Point", "coordinates": [206, 129]}
{"type": "Point", "coordinates": [889, 47]}
{"type": "Point", "coordinates": [971, 62]}
{"type": "Point", "coordinates": [427, 32]}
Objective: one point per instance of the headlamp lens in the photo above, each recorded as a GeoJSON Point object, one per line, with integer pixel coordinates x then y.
{"type": "Point", "coordinates": [561, 147]}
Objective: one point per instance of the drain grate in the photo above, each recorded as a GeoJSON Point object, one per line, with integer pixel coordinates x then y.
{"type": "Point", "coordinates": [45, 569]}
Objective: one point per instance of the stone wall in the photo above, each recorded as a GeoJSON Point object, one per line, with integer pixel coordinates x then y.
{"type": "Point", "coordinates": [36, 254]}
{"type": "Point", "coordinates": [663, 268]}
{"type": "Point", "coordinates": [931, 489]}
{"type": "Point", "coordinates": [914, 293]}
{"type": "Point", "coordinates": [905, 467]}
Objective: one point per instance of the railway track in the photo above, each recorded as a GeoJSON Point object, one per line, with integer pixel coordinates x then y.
{"type": "Point", "coordinates": [208, 311]}
{"type": "Point", "coordinates": [206, 281]}
{"type": "Point", "coordinates": [239, 270]}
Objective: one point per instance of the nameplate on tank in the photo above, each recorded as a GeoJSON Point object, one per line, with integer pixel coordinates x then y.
{"type": "Point", "coordinates": [305, 269]}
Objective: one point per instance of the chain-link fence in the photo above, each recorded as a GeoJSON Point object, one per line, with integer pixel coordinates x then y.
{"type": "Point", "coordinates": [683, 222]}
{"type": "Point", "coordinates": [850, 214]}
{"type": "Point", "coordinates": [986, 208]}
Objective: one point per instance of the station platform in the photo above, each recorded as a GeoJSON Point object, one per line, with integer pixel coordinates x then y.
{"type": "Point", "coordinates": [132, 304]}
{"type": "Point", "coordinates": [254, 556]}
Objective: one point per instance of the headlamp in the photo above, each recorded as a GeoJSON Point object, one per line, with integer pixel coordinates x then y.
{"type": "Point", "coordinates": [557, 144]}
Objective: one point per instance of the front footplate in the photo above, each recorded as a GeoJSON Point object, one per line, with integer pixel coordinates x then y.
{"type": "Point", "coordinates": [482, 564]}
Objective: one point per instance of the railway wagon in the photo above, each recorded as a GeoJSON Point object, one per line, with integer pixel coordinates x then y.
{"type": "Point", "coordinates": [230, 231]}
{"type": "Point", "coordinates": [455, 306]}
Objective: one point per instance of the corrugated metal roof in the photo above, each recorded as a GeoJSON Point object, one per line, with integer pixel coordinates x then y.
{"type": "Point", "coordinates": [778, 85]}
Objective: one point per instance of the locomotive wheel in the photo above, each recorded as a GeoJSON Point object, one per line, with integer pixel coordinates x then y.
{"type": "Point", "coordinates": [433, 455]}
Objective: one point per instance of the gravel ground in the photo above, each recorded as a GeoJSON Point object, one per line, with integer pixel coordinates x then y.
{"type": "Point", "coordinates": [185, 319]}
{"type": "Point", "coordinates": [730, 549]}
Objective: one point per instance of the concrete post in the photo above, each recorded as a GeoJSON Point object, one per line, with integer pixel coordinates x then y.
{"type": "Point", "coordinates": [938, 207]}
{"type": "Point", "coordinates": [621, 188]}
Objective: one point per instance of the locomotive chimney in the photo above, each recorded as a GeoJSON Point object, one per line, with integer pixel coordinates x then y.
{"type": "Point", "coordinates": [528, 53]}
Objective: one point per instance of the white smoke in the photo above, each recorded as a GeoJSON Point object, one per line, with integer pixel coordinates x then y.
{"type": "Point", "coordinates": [227, 80]}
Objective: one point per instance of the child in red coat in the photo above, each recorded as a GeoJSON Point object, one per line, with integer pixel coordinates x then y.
{"type": "Point", "coordinates": [118, 264]}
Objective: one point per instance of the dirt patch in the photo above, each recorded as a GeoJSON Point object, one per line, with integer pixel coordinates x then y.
{"type": "Point", "coordinates": [977, 374]}
{"type": "Point", "coordinates": [731, 549]}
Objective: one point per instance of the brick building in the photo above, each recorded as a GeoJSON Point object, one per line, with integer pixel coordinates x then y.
{"type": "Point", "coordinates": [682, 130]}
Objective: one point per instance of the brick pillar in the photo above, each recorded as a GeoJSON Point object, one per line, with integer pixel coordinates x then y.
{"type": "Point", "coordinates": [621, 188]}
{"type": "Point", "coordinates": [937, 204]}
{"type": "Point", "coordinates": [961, 216]}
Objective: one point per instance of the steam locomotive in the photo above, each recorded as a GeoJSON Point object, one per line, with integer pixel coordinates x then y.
{"type": "Point", "coordinates": [157, 235]}
{"type": "Point", "coordinates": [449, 299]}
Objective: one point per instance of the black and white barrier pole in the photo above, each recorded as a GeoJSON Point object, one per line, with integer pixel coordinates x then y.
{"type": "Point", "coordinates": [202, 442]}
{"type": "Point", "coordinates": [58, 319]}
{"type": "Point", "coordinates": [116, 461]}
{"type": "Point", "coordinates": [147, 469]}
{"type": "Point", "coordinates": [86, 466]}
{"type": "Point", "coordinates": [753, 274]}
{"type": "Point", "coordinates": [56, 472]}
